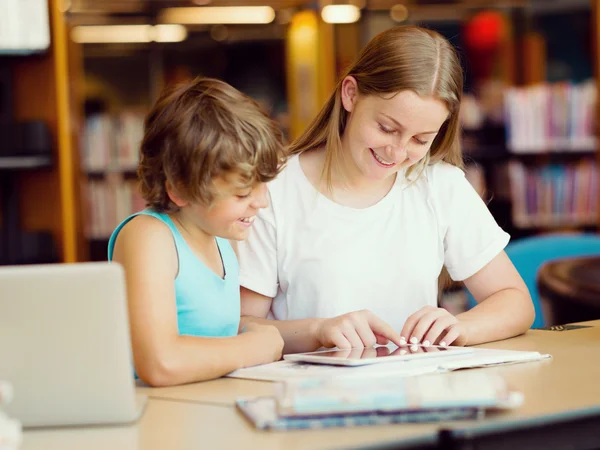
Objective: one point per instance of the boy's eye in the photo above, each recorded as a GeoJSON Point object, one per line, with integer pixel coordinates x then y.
{"type": "Point", "coordinates": [243, 195]}
{"type": "Point", "coordinates": [385, 129]}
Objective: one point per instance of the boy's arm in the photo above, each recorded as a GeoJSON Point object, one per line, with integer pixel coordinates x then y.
{"type": "Point", "coordinates": [351, 330]}
{"type": "Point", "coordinates": [299, 335]}
{"type": "Point", "coordinates": [162, 357]}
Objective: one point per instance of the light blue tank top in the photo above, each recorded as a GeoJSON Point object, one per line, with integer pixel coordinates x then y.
{"type": "Point", "coordinates": [207, 305]}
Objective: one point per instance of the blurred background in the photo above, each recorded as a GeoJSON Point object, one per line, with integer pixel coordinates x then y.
{"type": "Point", "coordinates": [78, 76]}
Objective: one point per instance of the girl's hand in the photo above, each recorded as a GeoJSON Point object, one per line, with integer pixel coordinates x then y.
{"type": "Point", "coordinates": [354, 330]}
{"type": "Point", "coordinates": [433, 326]}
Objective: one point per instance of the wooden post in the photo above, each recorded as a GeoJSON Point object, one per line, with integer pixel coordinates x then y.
{"type": "Point", "coordinates": [66, 160]}
{"type": "Point", "coordinates": [309, 68]}
{"type": "Point", "coordinates": [534, 58]}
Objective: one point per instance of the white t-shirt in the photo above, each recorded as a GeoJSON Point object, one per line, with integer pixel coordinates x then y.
{"type": "Point", "coordinates": [317, 258]}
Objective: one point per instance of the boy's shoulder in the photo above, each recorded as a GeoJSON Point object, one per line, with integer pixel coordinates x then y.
{"type": "Point", "coordinates": [145, 227]}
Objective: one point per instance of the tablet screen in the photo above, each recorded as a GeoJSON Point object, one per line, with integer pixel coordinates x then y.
{"type": "Point", "coordinates": [384, 351]}
{"type": "Point", "coordinates": [373, 355]}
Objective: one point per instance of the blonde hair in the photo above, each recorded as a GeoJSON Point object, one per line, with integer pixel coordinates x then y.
{"type": "Point", "coordinates": [201, 130]}
{"type": "Point", "coordinates": [400, 58]}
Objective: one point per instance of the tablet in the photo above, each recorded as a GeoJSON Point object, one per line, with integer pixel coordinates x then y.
{"type": "Point", "coordinates": [376, 355]}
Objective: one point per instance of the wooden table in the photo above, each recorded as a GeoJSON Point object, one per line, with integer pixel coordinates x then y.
{"type": "Point", "coordinates": [202, 415]}
{"type": "Point", "coordinates": [184, 425]}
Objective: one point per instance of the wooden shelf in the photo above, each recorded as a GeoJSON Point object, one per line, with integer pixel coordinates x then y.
{"type": "Point", "coordinates": [45, 87]}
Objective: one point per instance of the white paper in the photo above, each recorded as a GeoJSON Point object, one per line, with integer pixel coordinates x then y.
{"type": "Point", "coordinates": [481, 357]}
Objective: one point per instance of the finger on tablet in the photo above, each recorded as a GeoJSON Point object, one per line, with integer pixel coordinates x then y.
{"type": "Point", "coordinates": [436, 331]}
{"type": "Point", "coordinates": [365, 333]}
{"type": "Point", "coordinates": [423, 326]}
{"type": "Point", "coordinates": [451, 336]}
{"type": "Point", "coordinates": [335, 338]}
{"type": "Point", "coordinates": [352, 337]}
{"type": "Point", "coordinates": [379, 327]}
{"type": "Point", "coordinates": [411, 322]}
{"type": "Point", "coordinates": [381, 340]}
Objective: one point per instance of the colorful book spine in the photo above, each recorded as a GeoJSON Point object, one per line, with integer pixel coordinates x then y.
{"type": "Point", "coordinates": [261, 412]}
{"type": "Point", "coordinates": [557, 117]}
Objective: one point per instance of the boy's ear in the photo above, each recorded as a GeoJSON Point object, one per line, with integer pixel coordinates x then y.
{"type": "Point", "coordinates": [174, 196]}
{"type": "Point", "coordinates": [349, 93]}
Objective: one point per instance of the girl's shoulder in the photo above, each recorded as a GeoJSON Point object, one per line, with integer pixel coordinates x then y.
{"type": "Point", "coordinates": [446, 180]}
{"type": "Point", "coordinates": [288, 180]}
{"type": "Point", "coordinates": [442, 173]}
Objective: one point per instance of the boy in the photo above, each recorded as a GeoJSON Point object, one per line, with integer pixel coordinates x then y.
{"type": "Point", "coordinates": [206, 155]}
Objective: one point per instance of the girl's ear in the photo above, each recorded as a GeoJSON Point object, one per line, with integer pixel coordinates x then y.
{"type": "Point", "coordinates": [349, 93]}
{"type": "Point", "coordinates": [174, 196]}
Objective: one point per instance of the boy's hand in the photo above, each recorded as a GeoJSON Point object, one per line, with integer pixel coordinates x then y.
{"type": "Point", "coordinates": [269, 343]}
{"type": "Point", "coordinates": [353, 330]}
{"type": "Point", "coordinates": [433, 326]}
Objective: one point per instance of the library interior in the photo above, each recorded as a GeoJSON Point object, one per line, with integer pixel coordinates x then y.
{"type": "Point", "coordinates": [78, 79]}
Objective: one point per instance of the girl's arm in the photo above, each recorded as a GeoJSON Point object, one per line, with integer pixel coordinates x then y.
{"type": "Point", "coordinates": [162, 357]}
{"type": "Point", "coordinates": [355, 329]}
{"type": "Point", "coordinates": [504, 306]}
{"type": "Point", "coordinates": [504, 310]}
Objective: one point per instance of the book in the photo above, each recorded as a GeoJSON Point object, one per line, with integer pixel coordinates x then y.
{"type": "Point", "coordinates": [342, 402]}
{"type": "Point", "coordinates": [385, 393]}
{"type": "Point", "coordinates": [262, 413]}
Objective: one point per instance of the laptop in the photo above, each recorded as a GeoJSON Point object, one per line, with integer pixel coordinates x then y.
{"type": "Point", "coordinates": [65, 345]}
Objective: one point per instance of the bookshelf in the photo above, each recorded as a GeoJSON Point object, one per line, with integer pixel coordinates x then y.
{"type": "Point", "coordinates": [44, 88]}
{"type": "Point", "coordinates": [55, 197]}
{"type": "Point", "coordinates": [109, 160]}
{"type": "Point", "coordinates": [542, 170]}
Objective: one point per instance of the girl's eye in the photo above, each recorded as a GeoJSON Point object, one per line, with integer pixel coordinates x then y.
{"type": "Point", "coordinates": [385, 129]}
{"type": "Point", "coordinates": [420, 142]}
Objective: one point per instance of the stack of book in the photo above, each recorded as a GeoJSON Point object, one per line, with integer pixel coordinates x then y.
{"type": "Point", "coordinates": [10, 429]}
{"type": "Point", "coordinates": [378, 400]}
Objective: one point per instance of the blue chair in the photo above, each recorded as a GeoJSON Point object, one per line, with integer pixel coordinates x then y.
{"type": "Point", "coordinates": [529, 254]}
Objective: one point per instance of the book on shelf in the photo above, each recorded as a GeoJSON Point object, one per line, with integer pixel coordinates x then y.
{"type": "Point", "coordinates": [557, 117]}
{"type": "Point", "coordinates": [554, 195]}
{"type": "Point", "coordinates": [110, 201]}
{"type": "Point", "coordinates": [112, 142]}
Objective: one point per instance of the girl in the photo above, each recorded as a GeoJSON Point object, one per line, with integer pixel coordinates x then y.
{"type": "Point", "coordinates": [372, 204]}
{"type": "Point", "coordinates": [206, 154]}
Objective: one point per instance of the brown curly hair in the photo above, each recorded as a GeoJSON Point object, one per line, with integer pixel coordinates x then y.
{"type": "Point", "coordinates": [202, 130]}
